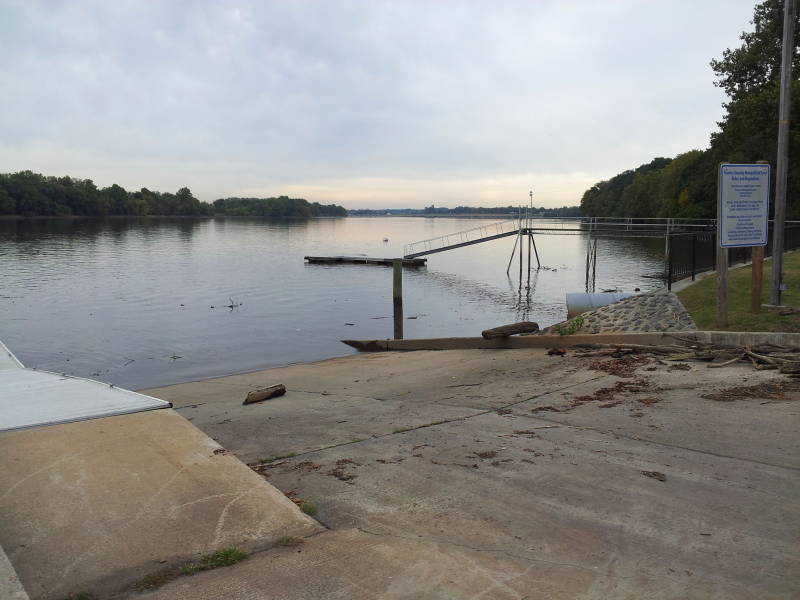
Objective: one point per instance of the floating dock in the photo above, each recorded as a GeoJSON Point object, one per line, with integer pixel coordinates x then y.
{"type": "Point", "coordinates": [363, 260]}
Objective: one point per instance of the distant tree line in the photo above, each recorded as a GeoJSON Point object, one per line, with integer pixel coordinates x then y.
{"type": "Point", "coordinates": [32, 194]}
{"type": "Point", "coordinates": [282, 206]}
{"type": "Point", "coordinates": [686, 186]}
{"type": "Point", "coordinates": [564, 211]}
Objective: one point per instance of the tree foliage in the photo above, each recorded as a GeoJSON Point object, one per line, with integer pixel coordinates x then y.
{"type": "Point", "coordinates": [505, 211]}
{"type": "Point", "coordinates": [686, 186]}
{"type": "Point", "coordinates": [32, 194]}
{"type": "Point", "coordinates": [282, 206]}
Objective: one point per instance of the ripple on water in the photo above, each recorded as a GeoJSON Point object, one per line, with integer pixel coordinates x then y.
{"type": "Point", "coordinates": [130, 299]}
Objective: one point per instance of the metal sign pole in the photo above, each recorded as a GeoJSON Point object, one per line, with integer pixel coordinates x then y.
{"type": "Point", "coordinates": [783, 151]}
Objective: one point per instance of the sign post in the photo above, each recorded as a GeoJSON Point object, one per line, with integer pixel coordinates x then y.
{"type": "Point", "coordinates": [742, 219]}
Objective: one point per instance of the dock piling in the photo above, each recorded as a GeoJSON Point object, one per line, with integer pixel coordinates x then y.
{"type": "Point", "coordinates": [397, 298]}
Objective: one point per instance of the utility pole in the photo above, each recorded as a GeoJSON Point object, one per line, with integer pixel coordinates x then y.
{"type": "Point", "coordinates": [783, 150]}
{"type": "Point", "coordinates": [531, 194]}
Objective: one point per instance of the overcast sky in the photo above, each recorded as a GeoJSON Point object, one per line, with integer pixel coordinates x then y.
{"type": "Point", "coordinates": [367, 103]}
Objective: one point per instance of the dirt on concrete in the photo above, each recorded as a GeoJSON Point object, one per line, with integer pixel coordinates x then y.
{"type": "Point", "coordinates": [764, 391]}
{"type": "Point", "coordinates": [512, 474]}
{"type": "Point", "coordinates": [621, 367]}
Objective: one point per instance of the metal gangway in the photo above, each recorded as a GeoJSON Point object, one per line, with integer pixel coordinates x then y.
{"type": "Point", "coordinates": [530, 225]}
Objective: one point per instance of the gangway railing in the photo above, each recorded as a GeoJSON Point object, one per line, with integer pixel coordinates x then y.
{"type": "Point", "coordinates": [597, 226]}
{"type": "Point", "coordinates": [482, 233]}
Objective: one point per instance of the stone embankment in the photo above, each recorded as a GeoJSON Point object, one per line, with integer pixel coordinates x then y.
{"type": "Point", "coordinates": [653, 311]}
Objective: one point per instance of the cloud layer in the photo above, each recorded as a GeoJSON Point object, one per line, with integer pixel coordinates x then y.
{"type": "Point", "coordinates": [363, 103]}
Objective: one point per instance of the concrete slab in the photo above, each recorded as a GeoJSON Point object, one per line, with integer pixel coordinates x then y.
{"type": "Point", "coordinates": [355, 565]}
{"type": "Point", "coordinates": [569, 496]}
{"type": "Point", "coordinates": [354, 398]}
{"type": "Point", "coordinates": [96, 505]}
{"type": "Point", "coordinates": [10, 585]}
{"type": "Point", "coordinates": [693, 499]}
{"type": "Point", "coordinates": [668, 407]}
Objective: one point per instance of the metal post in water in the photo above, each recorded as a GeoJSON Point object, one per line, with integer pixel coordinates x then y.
{"type": "Point", "coordinates": [538, 264]}
{"type": "Point", "coordinates": [520, 249]}
{"type": "Point", "coordinates": [397, 297]}
{"type": "Point", "coordinates": [669, 272]}
{"type": "Point", "coordinates": [513, 251]}
{"type": "Point", "coordinates": [588, 255]}
{"type": "Point", "coordinates": [529, 253]}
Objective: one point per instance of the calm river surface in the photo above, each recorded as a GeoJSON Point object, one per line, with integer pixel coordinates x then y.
{"type": "Point", "coordinates": [141, 302]}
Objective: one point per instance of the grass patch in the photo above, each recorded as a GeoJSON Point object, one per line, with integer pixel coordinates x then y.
{"type": "Point", "coordinates": [700, 299]}
{"type": "Point", "coordinates": [220, 558]}
{"type": "Point", "coordinates": [569, 327]}
{"type": "Point", "coordinates": [308, 508]}
{"type": "Point", "coordinates": [156, 580]}
{"type": "Point", "coordinates": [269, 459]}
{"type": "Point", "coordinates": [289, 541]}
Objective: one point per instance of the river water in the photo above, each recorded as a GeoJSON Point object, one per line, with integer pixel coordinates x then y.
{"type": "Point", "coordinates": [142, 302]}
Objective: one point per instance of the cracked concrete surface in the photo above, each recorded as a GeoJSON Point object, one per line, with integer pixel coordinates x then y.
{"type": "Point", "coordinates": [95, 505]}
{"type": "Point", "coordinates": [513, 474]}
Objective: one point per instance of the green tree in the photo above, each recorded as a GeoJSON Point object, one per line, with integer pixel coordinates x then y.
{"type": "Point", "coordinates": [750, 76]}
{"type": "Point", "coordinates": [8, 205]}
{"type": "Point", "coordinates": [686, 187]}
{"type": "Point", "coordinates": [117, 199]}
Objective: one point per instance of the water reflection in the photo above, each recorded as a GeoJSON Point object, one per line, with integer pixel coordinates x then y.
{"type": "Point", "coordinates": [123, 296]}
{"type": "Point", "coordinates": [524, 293]}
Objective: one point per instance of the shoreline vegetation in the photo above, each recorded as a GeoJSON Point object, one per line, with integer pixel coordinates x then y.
{"type": "Point", "coordinates": [700, 299]}
{"type": "Point", "coordinates": [28, 194]}
{"type": "Point", "coordinates": [465, 211]}
{"type": "Point", "coordinates": [686, 186]}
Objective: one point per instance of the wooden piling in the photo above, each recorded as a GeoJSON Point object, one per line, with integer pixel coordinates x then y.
{"type": "Point", "coordinates": [397, 298]}
{"type": "Point", "coordinates": [758, 279]}
{"type": "Point", "coordinates": [722, 288]}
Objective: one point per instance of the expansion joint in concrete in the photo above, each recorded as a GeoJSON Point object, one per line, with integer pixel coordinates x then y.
{"type": "Point", "coordinates": [504, 552]}
{"type": "Point", "coordinates": [662, 444]}
{"type": "Point", "coordinates": [339, 394]}
{"type": "Point", "coordinates": [478, 413]}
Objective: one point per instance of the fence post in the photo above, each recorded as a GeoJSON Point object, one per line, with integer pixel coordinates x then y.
{"type": "Point", "coordinates": [694, 254]}
{"type": "Point", "coordinates": [397, 297]}
{"type": "Point", "coordinates": [757, 278]}
{"type": "Point", "coordinates": [669, 270]}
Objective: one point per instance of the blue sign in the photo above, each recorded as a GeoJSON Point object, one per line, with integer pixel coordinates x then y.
{"type": "Point", "coordinates": [743, 205]}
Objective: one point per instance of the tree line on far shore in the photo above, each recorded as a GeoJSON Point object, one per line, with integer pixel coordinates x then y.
{"type": "Point", "coordinates": [282, 206]}
{"type": "Point", "coordinates": [509, 211]}
{"type": "Point", "coordinates": [31, 195]}
{"type": "Point", "coordinates": [686, 186]}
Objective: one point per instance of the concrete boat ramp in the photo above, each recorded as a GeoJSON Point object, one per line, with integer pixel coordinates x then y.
{"type": "Point", "coordinates": [465, 473]}
{"type": "Point", "coordinates": [100, 488]}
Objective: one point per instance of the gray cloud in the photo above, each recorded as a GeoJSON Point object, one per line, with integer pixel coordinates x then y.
{"type": "Point", "coordinates": [384, 101]}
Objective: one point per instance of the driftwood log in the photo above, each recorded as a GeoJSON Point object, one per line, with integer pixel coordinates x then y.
{"type": "Point", "coordinates": [265, 393]}
{"type": "Point", "coordinates": [507, 330]}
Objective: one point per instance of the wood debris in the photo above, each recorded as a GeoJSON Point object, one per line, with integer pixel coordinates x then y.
{"type": "Point", "coordinates": [629, 356]}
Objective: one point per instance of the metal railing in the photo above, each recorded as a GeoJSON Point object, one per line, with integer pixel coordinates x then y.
{"type": "Point", "coordinates": [489, 230]}
{"type": "Point", "coordinates": [696, 252]}
{"type": "Point", "coordinates": [600, 226]}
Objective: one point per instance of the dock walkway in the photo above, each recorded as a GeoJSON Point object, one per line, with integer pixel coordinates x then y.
{"type": "Point", "coordinates": [363, 260]}
{"type": "Point", "coordinates": [596, 226]}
